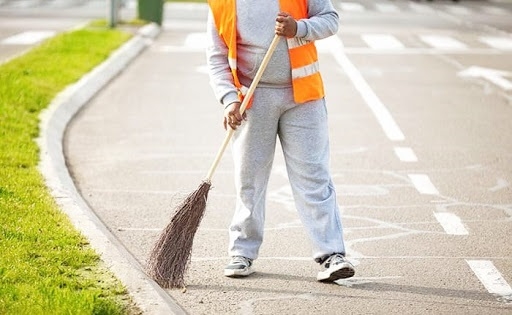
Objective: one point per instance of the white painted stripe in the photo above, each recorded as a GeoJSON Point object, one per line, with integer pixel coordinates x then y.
{"type": "Point", "coordinates": [491, 278]}
{"type": "Point", "coordinates": [500, 184]}
{"type": "Point", "coordinates": [196, 40]}
{"type": "Point", "coordinates": [420, 51]}
{"type": "Point", "coordinates": [351, 7]}
{"type": "Point", "coordinates": [387, 8]}
{"type": "Point", "coordinates": [503, 43]}
{"type": "Point", "coordinates": [451, 223]}
{"type": "Point", "coordinates": [457, 10]}
{"type": "Point", "coordinates": [423, 184]}
{"type": "Point", "coordinates": [494, 76]}
{"type": "Point", "coordinates": [176, 49]}
{"type": "Point", "coordinates": [405, 154]}
{"type": "Point", "coordinates": [494, 10]}
{"type": "Point", "coordinates": [382, 41]}
{"type": "Point", "coordinates": [443, 42]}
{"type": "Point", "coordinates": [420, 8]}
{"type": "Point", "coordinates": [27, 38]}
{"type": "Point", "coordinates": [382, 114]}
{"type": "Point", "coordinates": [187, 6]}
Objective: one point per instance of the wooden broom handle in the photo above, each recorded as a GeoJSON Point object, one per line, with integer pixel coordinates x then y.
{"type": "Point", "coordinates": [244, 104]}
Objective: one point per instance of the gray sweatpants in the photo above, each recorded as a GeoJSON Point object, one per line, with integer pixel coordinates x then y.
{"type": "Point", "coordinates": [303, 133]}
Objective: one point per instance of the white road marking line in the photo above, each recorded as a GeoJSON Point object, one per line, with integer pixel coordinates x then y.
{"type": "Point", "coordinates": [502, 43]}
{"type": "Point", "coordinates": [494, 10]}
{"type": "Point", "coordinates": [196, 40]}
{"type": "Point", "coordinates": [27, 38]}
{"type": "Point", "coordinates": [405, 154]}
{"type": "Point", "coordinates": [451, 223]}
{"type": "Point", "coordinates": [351, 7]}
{"type": "Point", "coordinates": [420, 8]}
{"type": "Point", "coordinates": [491, 278]}
{"type": "Point", "coordinates": [457, 10]}
{"type": "Point", "coordinates": [420, 51]}
{"type": "Point", "coordinates": [387, 8]}
{"type": "Point", "coordinates": [382, 41]}
{"type": "Point", "coordinates": [500, 184]}
{"type": "Point", "coordinates": [362, 280]}
{"type": "Point", "coordinates": [139, 229]}
{"type": "Point", "coordinates": [382, 114]}
{"type": "Point", "coordinates": [494, 76]}
{"type": "Point", "coordinates": [247, 307]}
{"type": "Point", "coordinates": [187, 6]}
{"type": "Point", "coordinates": [423, 184]}
{"type": "Point", "coordinates": [176, 49]}
{"type": "Point", "coordinates": [443, 42]}
{"type": "Point", "coordinates": [361, 190]}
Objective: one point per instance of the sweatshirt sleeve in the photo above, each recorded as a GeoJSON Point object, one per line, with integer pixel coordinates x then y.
{"type": "Point", "coordinates": [323, 21]}
{"type": "Point", "coordinates": [221, 79]}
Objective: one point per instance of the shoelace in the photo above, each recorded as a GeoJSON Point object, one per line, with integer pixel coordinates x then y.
{"type": "Point", "coordinates": [335, 259]}
{"type": "Point", "coordinates": [241, 260]}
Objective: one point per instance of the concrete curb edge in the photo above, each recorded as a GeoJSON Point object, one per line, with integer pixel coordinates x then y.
{"type": "Point", "coordinates": [148, 295]}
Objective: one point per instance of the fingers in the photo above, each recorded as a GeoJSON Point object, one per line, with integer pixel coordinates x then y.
{"type": "Point", "coordinates": [280, 23]}
{"type": "Point", "coordinates": [234, 121]}
{"type": "Point", "coordinates": [285, 25]}
{"type": "Point", "coordinates": [232, 116]}
{"type": "Point", "coordinates": [281, 16]}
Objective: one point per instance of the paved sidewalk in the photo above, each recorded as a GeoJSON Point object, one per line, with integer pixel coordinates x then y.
{"type": "Point", "coordinates": [147, 138]}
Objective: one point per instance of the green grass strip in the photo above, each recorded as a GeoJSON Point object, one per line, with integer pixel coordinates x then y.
{"type": "Point", "coordinates": [46, 265]}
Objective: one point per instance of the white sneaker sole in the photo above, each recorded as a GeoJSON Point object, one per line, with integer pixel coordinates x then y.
{"type": "Point", "coordinates": [238, 273]}
{"type": "Point", "coordinates": [341, 271]}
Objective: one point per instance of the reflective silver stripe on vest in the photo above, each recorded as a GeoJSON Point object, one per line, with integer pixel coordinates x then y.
{"type": "Point", "coordinates": [232, 63]}
{"type": "Point", "coordinates": [243, 89]}
{"type": "Point", "coordinates": [306, 70]}
{"type": "Point", "coordinates": [295, 42]}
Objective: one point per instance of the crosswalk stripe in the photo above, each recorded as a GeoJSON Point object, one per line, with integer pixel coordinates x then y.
{"type": "Point", "coordinates": [351, 7]}
{"type": "Point", "coordinates": [387, 8]}
{"type": "Point", "coordinates": [457, 10]}
{"type": "Point", "coordinates": [442, 42]}
{"type": "Point", "coordinates": [27, 38]}
{"type": "Point", "coordinates": [495, 10]}
{"type": "Point", "coordinates": [382, 41]}
{"type": "Point", "coordinates": [196, 40]}
{"type": "Point", "coordinates": [497, 42]}
{"type": "Point", "coordinates": [420, 8]}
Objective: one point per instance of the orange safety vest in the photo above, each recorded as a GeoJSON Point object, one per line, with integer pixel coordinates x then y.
{"type": "Point", "coordinates": [306, 79]}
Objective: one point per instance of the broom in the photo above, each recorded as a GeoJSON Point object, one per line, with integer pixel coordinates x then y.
{"type": "Point", "coordinates": [168, 261]}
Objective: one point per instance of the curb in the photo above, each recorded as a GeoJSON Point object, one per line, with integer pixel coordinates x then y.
{"type": "Point", "coordinates": [146, 293]}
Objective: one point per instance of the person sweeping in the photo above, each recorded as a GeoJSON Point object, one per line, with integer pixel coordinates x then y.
{"type": "Point", "coordinates": [288, 104]}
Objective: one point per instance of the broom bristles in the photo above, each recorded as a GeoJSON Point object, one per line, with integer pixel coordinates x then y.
{"type": "Point", "coordinates": [170, 257]}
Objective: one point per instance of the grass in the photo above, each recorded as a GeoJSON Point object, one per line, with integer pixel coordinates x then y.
{"type": "Point", "coordinates": [46, 265]}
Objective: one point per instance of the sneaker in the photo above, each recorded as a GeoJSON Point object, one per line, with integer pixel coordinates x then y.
{"type": "Point", "coordinates": [239, 266]}
{"type": "Point", "coordinates": [335, 267]}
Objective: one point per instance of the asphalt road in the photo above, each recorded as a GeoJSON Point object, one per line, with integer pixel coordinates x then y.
{"type": "Point", "coordinates": [420, 106]}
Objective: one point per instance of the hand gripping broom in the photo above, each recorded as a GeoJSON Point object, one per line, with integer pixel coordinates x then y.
{"type": "Point", "coordinates": [169, 259]}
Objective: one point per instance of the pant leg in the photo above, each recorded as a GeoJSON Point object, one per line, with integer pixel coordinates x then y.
{"type": "Point", "coordinates": [253, 148]}
{"type": "Point", "coordinates": [303, 132]}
